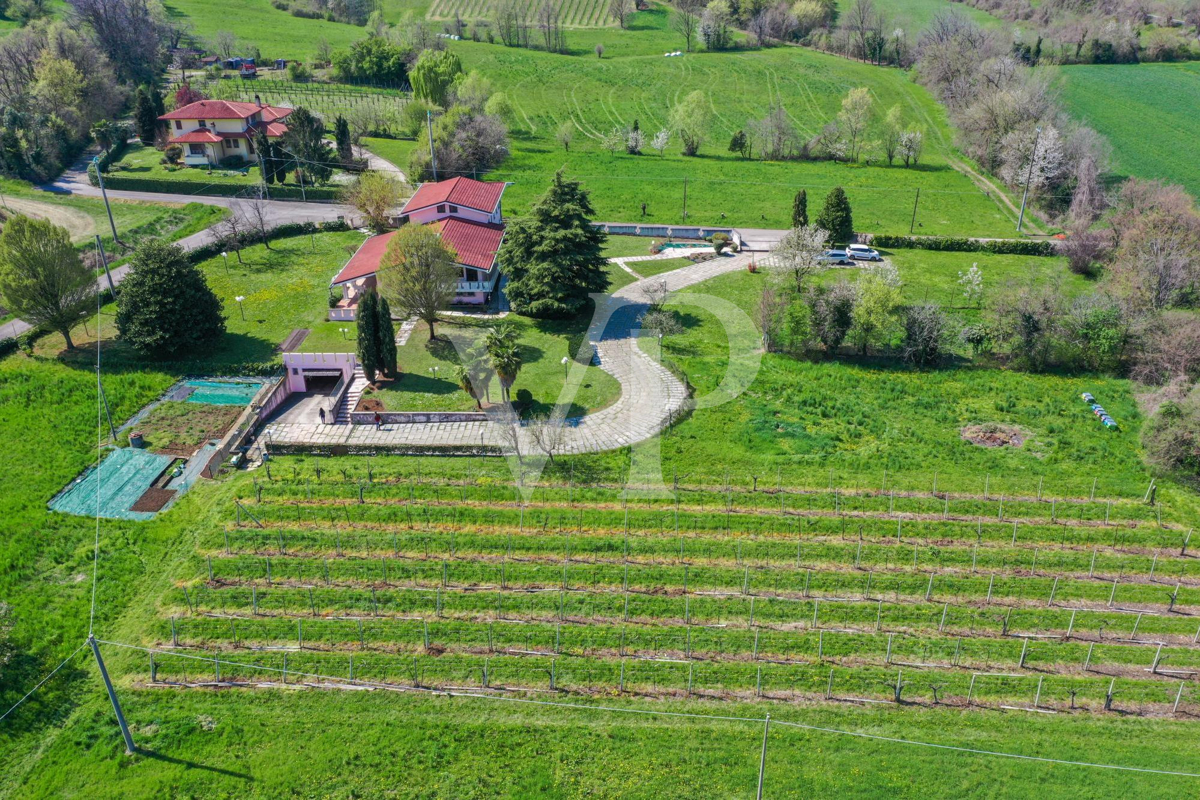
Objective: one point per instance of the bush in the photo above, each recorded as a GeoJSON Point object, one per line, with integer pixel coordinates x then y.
{"type": "Point", "coordinates": [927, 335]}
{"type": "Point", "coordinates": [233, 162]}
{"type": "Point", "coordinates": [165, 186]}
{"type": "Point", "coordinates": [720, 241]}
{"type": "Point", "coordinates": [173, 154]}
{"type": "Point", "coordinates": [1172, 437]}
{"type": "Point", "coordinates": [1085, 250]}
{"type": "Point", "coordinates": [1014, 247]}
{"type": "Point", "coordinates": [112, 156]}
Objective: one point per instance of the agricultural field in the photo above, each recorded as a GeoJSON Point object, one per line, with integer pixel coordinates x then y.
{"type": "Point", "coordinates": [1142, 111]}
{"type": "Point", "coordinates": [914, 16]}
{"type": "Point", "coordinates": [575, 13]}
{"type": "Point", "coordinates": [328, 100]}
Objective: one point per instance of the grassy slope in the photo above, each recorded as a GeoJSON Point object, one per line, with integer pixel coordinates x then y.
{"type": "Point", "coordinates": [1145, 113]}
{"type": "Point", "coordinates": [915, 15]}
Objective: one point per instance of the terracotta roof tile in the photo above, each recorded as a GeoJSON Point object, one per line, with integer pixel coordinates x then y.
{"type": "Point", "coordinates": [226, 109]}
{"type": "Point", "coordinates": [480, 195]}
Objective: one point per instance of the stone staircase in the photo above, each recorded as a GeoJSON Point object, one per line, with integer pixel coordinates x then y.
{"type": "Point", "coordinates": [350, 398]}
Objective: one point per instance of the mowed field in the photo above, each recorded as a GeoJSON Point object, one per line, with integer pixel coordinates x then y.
{"type": "Point", "coordinates": [1147, 112]}
{"type": "Point", "coordinates": [596, 95]}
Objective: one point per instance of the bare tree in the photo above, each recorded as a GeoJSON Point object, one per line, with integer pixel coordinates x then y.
{"type": "Point", "coordinates": [550, 23]}
{"type": "Point", "coordinates": [685, 20]}
{"type": "Point", "coordinates": [225, 43]}
{"type": "Point", "coordinates": [507, 424]}
{"type": "Point", "coordinates": [620, 10]}
{"type": "Point", "coordinates": [257, 217]}
{"type": "Point", "coordinates": [774, 135]}
{"type": "Point", "coordinates": [656, 293]}
{"type": "Point", "coordinates": [233, 229]}
{"type": "Point", "coordinates": [548, 432]}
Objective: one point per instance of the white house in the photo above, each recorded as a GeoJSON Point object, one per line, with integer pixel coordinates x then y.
{"type": "Point", "coordinates": [213, 130]}
{"type": "Point", "coordinates": [466, 214]}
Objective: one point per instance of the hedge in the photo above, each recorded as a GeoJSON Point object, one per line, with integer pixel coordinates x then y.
{"type": "Point", "coordinates": [164, 186]}
{"type": "Point", "coordinates": [1014, 247]}
{"type": "Point", "coordinates": [106, 160]}
{"type": "Point", "coordinates": [218, 246]}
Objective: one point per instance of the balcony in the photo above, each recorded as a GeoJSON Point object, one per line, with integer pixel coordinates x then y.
{"type": "Point", "coordinates": [470, 287]}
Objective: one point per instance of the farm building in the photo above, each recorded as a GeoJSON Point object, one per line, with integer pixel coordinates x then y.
{"type": "Point", "coordinates": [466, 214]}
{"type": "Point", "coordinates": [214, 130]}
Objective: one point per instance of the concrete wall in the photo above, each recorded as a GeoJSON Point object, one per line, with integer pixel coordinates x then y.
{"type": "Point", "coordinates": [411, 417]}
{"type": "Point", "coordinates": [296, 363]}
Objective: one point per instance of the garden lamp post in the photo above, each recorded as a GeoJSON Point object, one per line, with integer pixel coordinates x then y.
{"type": "Point", "coordinates": [566, 369]}
{"type": "Point", "coordinates": [225, 256]}
{"type": "Point", "coordinates": [344, 336]}
{"type": "Point", "coordinates": [241, 308]}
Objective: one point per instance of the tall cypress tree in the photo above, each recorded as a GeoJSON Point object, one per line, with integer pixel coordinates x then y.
{"type": "Point", "coordinates": [341, 133]}
{"type": "Point", "coordinates": [279, 162]}
{"type": "Point", "coordinates": [144, 116]}
{"type": "Point", "coordinates": [367, 316]}
{"type": "Point", "coordinates": [156, 97]}
{"type": "Point", "coordinates": [386, 334]}
{"type": "Point", "coordinates": [800, 209]}
{"type": "Point", "coordinates": [836, 217]}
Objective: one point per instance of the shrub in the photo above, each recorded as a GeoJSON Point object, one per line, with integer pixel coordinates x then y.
{"type": "Point", "coordinates": [1085, 250]}
{"type": "Point", "coordinates": [172, 154]}
{"type": "Point", "coordinates": [720, 241]}
{"type": "Point", "coordinates": [1172, 437]}
{"type": "Point", "coordinates": [927, 335]}
{"type": "Point", "coordinates": [233, 162]}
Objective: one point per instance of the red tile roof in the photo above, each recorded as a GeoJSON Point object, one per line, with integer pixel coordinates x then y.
{"type": "Point", "coordinates": [475, 243]}
{"type": "Point", "coordinates": [366, 260]}
{"type": "Point", "coordinates": [480, 195]}
{"type": "Point", "coordinates": [273, 129]}
{"type": "Point", "coordinates": [198, 136]}
{"type": "Point", "coordinates": [226, 109]}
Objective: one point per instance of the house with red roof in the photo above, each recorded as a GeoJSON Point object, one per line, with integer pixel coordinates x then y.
{"type": "Point", "coordinates": [466, 215]}
{"type": "Point", "coordinates": [211, 131]}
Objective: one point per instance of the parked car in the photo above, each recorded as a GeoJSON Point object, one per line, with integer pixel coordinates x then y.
{"type": "Point", "coordinates": [863, 253]}
{"type": "Point", "coordinates": [836, 257]}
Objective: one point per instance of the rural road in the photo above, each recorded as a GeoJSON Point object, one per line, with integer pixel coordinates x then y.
{"type": "Point", "coordinates": [651, 396]}
{"type": "Point", "coordinates": [278, 212]}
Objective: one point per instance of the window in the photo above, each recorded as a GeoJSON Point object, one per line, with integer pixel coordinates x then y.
{"type": "Point", "coordinates": [235, 143]}
{"type": "Point", "coordinates": [195, 149]}
{"type": "Point", "coordinates": [178, 125]}
{"type": "Point", "coordinates": [441, 209]}
{"type": "Point", "coordinates": [453, 209]}
{"type": "Point", "coordinates": [203, 124]}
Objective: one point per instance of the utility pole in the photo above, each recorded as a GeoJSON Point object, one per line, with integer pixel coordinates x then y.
{"type": "Point", "coordinates": [432, 156]}
{"type": "Point", "coordinates": [1028, 177]}
{"type": "Point", "coordinates": [262, 174]}
{"type": "Point", "coordinates": [916, 200]}
{"type": "Point", "coordinates": [130, 747]}
{"type": "Point", "coordinates": [104, 261]}
{"type": "Point", "coordinates": [100, 387]}
{"type": "Point", "coordinates": [104, 194]}
{"type": "Point", "coordinates": [762, 761]}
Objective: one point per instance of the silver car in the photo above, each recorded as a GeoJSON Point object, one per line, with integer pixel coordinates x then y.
{"type": "Point", "coordinates": [861, 252]}
{"type": "Point", "coordinates": [836, 257]}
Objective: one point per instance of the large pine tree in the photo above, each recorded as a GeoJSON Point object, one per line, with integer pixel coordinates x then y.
{"type": "Point", "coordinates": [554, 257]}
{"type": "Point", "coordinates": [166, 307]}
{"type": "Point", "coordinates": [836, 217]}
{"type": "Point", "coordinates": [367, 316]}
{"type": "Point", "coordinates": [145, 118]}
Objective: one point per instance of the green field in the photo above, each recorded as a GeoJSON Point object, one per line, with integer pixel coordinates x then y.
{"type": "Point", "coordinates": [913, 16]}
{"type": "Point", "coordinates": [1145, 114]}
{"type": "Point", "coordinates": [575, 13]}
{"type": "Point", "coordinates": [776, 594]}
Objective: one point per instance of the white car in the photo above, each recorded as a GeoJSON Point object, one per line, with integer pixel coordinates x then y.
{"type": "Point", "coordinates": [836, 257]}
{"type": "Point", "coordinates": [863, 253]}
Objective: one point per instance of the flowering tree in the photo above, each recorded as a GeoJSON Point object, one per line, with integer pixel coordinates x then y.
{"type": "Point", "coordinates": [971, 282]}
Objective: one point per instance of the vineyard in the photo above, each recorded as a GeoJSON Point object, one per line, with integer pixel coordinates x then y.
{"type": "Point", "coordinates": [575, 13]}
{"type": "Point", "coordinates": [889, 594]}
{"type": "Point", "coordinates": [328, 100]}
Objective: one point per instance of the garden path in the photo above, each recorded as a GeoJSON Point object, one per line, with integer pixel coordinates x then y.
{"type": "Point", "coordinates": [651, 396]}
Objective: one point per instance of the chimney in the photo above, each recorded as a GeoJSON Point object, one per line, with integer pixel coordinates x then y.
{"type": "Point", "coordinates": [258, 101]}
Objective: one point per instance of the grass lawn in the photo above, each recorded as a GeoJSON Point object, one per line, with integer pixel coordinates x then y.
{"type": "Point", "coordinates": [621, 246]}
{"type": "Point", "coordinates": [1151, 137]}
{"type": "Point", "coordinates": [141, 161]}
{"type": "Point", "coordinates": [83, 217]}
{"type": "Point", "coordinates": [544, 343]}
{"type": "Point", "coordinates": [179, 427]}
{"type": "Point", "coordinates": [617, 277]}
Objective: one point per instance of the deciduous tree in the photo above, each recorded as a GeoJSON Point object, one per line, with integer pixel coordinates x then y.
{"type": "Point", "coordinates": [690, 118]}
{"type": "Point", "coordinates": [374, 194]}
{"type": "Point", "coordinates": [418, 274]}
{"type": "Point", "coordinates": [42, 279]}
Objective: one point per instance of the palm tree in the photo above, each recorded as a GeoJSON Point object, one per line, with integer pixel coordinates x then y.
{"type": "Point", "coordinates": [475, 374]}
{"type": "Point", "coordinates": [103, 132]}
{"type": "Point", "coordinates": [501, 346]}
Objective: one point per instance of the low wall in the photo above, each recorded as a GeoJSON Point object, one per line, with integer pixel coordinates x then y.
{"type": "Point", "coordinates": [414, 417]}
{"type": "Point", "coordinates": [341, 314]}
{"type": "Point", "coordinates": [668, 231]}
{"type": "Point", "coordinates": [266, 400]}
{"type": "Point", "coordinates": [280, 449]}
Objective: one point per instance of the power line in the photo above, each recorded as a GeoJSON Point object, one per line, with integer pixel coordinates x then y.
{"type": "Point", "coordinates": [660, 712]}
{"type": "Point", "coordinates": [42, 682]}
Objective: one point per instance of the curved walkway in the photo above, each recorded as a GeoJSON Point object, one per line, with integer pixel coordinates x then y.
{"type": "Point", "coordinates": [650, 395]}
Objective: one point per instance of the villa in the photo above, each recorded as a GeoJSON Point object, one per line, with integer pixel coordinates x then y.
{"type": "Point", "coordinates": [466, 214]}
{"type": "Point", "coordinates": [211, 131]}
